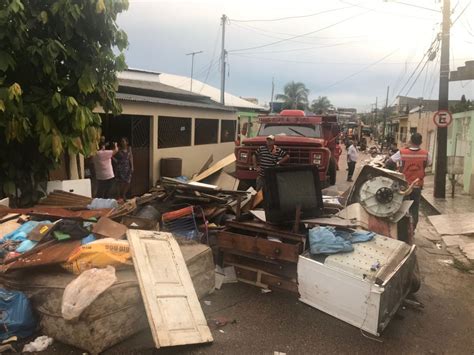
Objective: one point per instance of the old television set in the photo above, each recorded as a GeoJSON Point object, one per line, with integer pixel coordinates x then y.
{"type": "Point", "coordinates": [290, 187]}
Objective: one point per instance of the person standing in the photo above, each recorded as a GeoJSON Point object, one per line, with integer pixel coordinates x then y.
{"type": "Point", "coordinates": [268, 156]}
{"type": "Point", "coordinates": [352, 156]}
{"type": "Point", "coordinates": [104, 171]}
{"type": "Point", "coordinates": [337, 153]}
{"type": "Point", "coordinates": [124, 167]}
{"type": "Point", "coordinates": [412, 163]}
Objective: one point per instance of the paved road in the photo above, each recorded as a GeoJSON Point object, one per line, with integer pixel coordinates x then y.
{"type": "Point", "coordinates": [265, 323]}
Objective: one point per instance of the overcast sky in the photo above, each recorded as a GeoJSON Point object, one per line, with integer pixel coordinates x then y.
{"type": "Point", "coordinates": [349, 51]}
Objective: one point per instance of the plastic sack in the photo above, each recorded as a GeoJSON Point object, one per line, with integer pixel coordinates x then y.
{"type": "Point", "coordinates": [99, 203]}
{"type": "Point", "coordinates": [83, 290]}
{"type": "Point", "coordinates": [39, 344]}
{"type": "Point", "coordinates": [99, 254]}
{"type": "Point", "coordinates": [16, 315]}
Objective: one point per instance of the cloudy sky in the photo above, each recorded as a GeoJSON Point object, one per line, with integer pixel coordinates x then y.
{"type": "Point", "coordinates": [349, 51]}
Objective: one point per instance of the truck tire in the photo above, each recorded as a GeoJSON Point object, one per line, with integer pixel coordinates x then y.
{"type": "Point", "coordinates": [332, 171]}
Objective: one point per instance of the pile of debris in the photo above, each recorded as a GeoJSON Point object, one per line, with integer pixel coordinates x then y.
{"type": "Point", "coordinates": [96, 271]}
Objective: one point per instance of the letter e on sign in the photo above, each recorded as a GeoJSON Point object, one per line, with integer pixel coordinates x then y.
{"type": "Point", "coordinates": [442, 118]}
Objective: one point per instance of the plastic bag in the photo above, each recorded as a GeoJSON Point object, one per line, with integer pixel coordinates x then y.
{"type": "Point", "coordinates": [83, 290]}
{"type": "Point", "coordinates": [39, 344]}
{"type": "Point", "coordinates": [16, 315]}
{"type": "Point", "coordinates": [99, 254]}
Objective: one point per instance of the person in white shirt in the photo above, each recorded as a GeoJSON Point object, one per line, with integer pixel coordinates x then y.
{"type": "Point", "coordinates": [352, 156]}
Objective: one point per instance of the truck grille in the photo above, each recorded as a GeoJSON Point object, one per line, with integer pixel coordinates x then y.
{"type": "Point", "coordinates": [298, 155]}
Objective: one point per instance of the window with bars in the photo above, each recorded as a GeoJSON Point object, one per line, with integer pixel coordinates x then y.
{"type": "Point", "coordinates": [174, 132]}
{"type": "Point", "coordinates": [228, 129]}
{"type": "Point", "coordinates": [205, 131]}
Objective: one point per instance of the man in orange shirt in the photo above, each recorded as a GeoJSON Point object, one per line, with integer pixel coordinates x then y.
{"type": "Point", "coordinates": [412, 163]}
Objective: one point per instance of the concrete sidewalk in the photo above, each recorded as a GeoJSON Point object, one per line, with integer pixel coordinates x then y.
{"type": "Point", "coordinates": [461, 203]}
{"type": "Point", "coordinates": [461, 247]}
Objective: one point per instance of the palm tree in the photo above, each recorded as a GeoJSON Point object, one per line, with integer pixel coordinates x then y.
{"type": "Point", "coordinates": [295, 96]}
{"type": "Point", "coordinates": [321, 105]}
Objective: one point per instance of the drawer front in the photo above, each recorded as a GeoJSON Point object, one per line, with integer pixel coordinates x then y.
{"type": "Point", "coordinates": [258, 246]}
{"type": "Point", "coordinates": [245, 274]}
{"type": "Point", "coordinates": [279, 268]}
{"type": "Point", "coordinates": [279, 283]}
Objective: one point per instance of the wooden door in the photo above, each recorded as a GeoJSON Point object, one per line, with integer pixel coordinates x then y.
{"type": "Point", "coordinates": [171, 303]}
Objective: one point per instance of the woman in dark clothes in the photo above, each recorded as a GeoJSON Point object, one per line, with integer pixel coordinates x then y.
{"type": "Point", "coordinates": [124, 167]}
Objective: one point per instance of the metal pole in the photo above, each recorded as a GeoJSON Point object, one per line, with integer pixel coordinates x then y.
{"type": "Point", "coordinates": [443, 104]}
{"type": "Point", "coordinates": [223, 53]}
{"type": "Point", "coordinates": [385, 117]}
{"type": "Point", "coordinates": [192, 54]}
{"type": "Point", "coordinates": [271, 101]}
{"type": "Point", "coordinates": [376, 133]}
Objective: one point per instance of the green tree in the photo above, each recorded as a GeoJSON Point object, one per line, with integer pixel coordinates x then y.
{"type": "Point", "coordinates": [58, 61]}
{"type": "Point", "coordinates": [320, 105]}
{"type": "Point", "coordinates": [463, 106]}
{"type": "Point", "coordinates": [295, 96]}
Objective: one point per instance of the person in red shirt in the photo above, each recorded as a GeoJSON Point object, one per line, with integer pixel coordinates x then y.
{"type": "Point", "coordinates": [337, 153]}
{"type": "Point", "coordinates": [412, 163]}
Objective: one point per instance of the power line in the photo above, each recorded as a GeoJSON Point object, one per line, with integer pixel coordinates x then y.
{"type": "Point", "coordinates": [419, 73]}
{"type": "Point", "coordinates": [460, 14]}
{"type": "Point", "coordinates": [292, 17]}
{"type": "Point", "coordinates": [385, 12]}
{"type": "Point", "coordinates": [417, 6]}
{"type": "Point", "coordinates": [312, 62]}
{"type": "Point", "coordinates": [360, 71]}
{"type": "Point", "coordinates": [426, 54]}
{"type": "Point", "coordinates": [263, 32]}
{"type": "Point", "coordinates": [303, 49]}
{"type": "Point", "coordinates": [301, 35]}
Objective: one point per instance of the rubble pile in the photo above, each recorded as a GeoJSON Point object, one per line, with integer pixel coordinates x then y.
{"type": "Point", "coordinates": [97, 271]}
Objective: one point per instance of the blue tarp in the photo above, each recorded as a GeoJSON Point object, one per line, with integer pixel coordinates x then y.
{"type": "Point", "coordinates": [16, 315]}
{"type": "Point", "coordinates": [328, 240]}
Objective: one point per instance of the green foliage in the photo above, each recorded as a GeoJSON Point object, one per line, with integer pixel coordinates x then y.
{"type": "Point", "coordinates": [463, 106]}
{"type": "Point", "coordinates": [295, 96]}
{"type": "Point", "coordinates": [321, 105]}
{"type": "Point", "coordinates": [58, 62]}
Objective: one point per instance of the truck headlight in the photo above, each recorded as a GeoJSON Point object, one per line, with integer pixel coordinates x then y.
{"type": "Point", "coordinates": [317, 158]}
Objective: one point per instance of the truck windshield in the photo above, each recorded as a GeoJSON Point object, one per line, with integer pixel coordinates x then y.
{"type": "Point", "coordinates": [299, 130]}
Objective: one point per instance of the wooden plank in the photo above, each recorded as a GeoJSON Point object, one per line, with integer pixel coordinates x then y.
{"type": "Point", "coordinates": [171, 304]}
{"type": "Point", "coordinates": [259, 246]}
{"type": "Point", "coordinates": [221, 164]}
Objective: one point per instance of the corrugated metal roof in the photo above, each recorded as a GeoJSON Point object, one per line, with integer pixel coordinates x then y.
{"type": "Point", "coordinates": [184, 83]}
{"type": "Point", "coordinates": [183, 103]}
{"type": "Point", "coordinates": [156, 87]}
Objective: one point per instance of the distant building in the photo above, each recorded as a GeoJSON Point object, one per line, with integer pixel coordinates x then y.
{"type": "Point", "coordinates": [253, 100]}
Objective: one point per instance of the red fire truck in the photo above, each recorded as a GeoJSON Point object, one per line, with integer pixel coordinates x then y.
{"type": "Point", "coordinates": [307, 139]}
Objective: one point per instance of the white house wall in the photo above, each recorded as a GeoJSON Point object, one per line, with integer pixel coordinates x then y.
{"type": "Point", "coordinates": [193, 156]}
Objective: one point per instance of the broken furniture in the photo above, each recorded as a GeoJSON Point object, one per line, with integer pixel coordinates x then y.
{"type": "Point", "coordinates": [365, 287]}
{"type": "Point", "coordinates": [263, 255]}
{"type": "Point", "coordinates": [174, 313]}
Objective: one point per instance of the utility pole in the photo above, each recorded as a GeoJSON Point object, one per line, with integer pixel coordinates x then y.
{"type": "Point", "coordinates": [443, 104]}
{"type": "Point", "coordinates": [223, 54]}
{"type": "Point", "coordinates": [271, 101]}
{"type": "Point", "coordinates": [376, 116]}
{"type": "Point", "coordinates": [192, 54]}
{"type": "Point", "coordinates": [385, 111]}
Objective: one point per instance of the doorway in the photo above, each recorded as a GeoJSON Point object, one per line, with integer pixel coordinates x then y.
{"type": "Point", "coordinates": [136, 129]}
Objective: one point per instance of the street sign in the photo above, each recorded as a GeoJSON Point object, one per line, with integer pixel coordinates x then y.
{"type": "Point", "coordinates": [442, 118]}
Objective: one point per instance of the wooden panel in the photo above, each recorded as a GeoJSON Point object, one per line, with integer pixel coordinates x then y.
{"type": "Point", "coordinates": [274, 267]}
{"type": "Point", "coordinates": [140, 179]}
{"type": "Point", "coordinates": [278, 282]}
{"type": "Point", "coordinates": [171, 304]}
{"type": "Point", "coordinates": [246, 274]}
{"type": "Point", "coordinates": [259, 246]}
{"type": "Point", "coordinates": [221, 164]}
